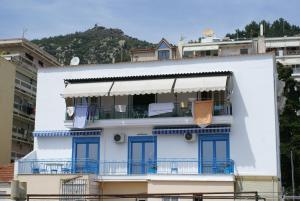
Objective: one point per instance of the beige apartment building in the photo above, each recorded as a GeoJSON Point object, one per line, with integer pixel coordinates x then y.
{"type": "Point", "coordinates": [286, 49]}
{"type": "Point", "coordinates": [7, 84]}
{"type": "Point", "coordinates": [20, 60]}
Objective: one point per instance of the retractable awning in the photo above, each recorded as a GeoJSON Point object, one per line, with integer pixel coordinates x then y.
{"type": "Point", "coordinates": [87, 89]}
{"type": "Point", "coordinates": [58, 133]}
{"type": "Point", "coordinates": [137, 87]}
{"type": "Point", "coordinates": [195, 84]}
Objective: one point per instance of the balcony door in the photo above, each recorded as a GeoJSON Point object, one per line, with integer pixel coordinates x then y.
{"type": "Point", "coordinates": [214, 154]}
{"type": "Point", "coordinates": [142, 154]}
{"type": "Point", "coordinates": [86, 154]}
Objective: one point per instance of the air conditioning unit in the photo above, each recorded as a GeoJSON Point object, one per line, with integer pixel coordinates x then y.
{"type": "Point", "coordinates": [119, 138]}
{"type": "Point", "coordinates": [190, 137]}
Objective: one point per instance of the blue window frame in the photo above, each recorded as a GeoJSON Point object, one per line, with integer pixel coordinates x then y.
{"type": "Point", "coordinates": [214, 154]}
{"type": "Point", "coordinates": [163, 54]}
{"type": "Point", "coordinates": [142, 154]}
{"type": "Point", "coordinates": [86, 154]}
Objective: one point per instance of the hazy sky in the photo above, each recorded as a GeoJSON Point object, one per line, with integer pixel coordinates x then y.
{"type": "Point", "coordinates": [145, 19]}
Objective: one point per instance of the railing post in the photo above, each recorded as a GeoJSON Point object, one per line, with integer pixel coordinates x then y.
{"type": "Point", "coordinates": [197, 197]}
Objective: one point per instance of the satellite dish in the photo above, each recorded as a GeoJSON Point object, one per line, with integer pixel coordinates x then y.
{"type": "Point", "coordinates": [74, 61]}
{"type": "Point", "coordinates": [208, 32]}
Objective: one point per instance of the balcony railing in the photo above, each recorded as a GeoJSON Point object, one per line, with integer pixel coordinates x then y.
{"type": "Point", "coordinates": [115, 168]}
{"type": "Point", "coordinates": [141, 111]}
{"type": "Point", "coordinates": [25, 86]}
{"type": "Point", "coordinates": [293, 52]}
{"type": "Point", "coordinates": [58, 166]}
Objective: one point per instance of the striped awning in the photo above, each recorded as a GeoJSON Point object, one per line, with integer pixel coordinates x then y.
{"type": "Point", "coordinates": [93, 89]}
{"type": "Point", "coordinates": [137, 87]}
{"type": "Point", "coordinates": [197, 130]}
{"type": "Point", "coordinates": [195, 84]}
{"type": "Point", "coordinates": [61, 133]}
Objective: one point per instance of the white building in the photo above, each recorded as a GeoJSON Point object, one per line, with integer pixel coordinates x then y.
{"type": "Point", "coordinates": [120, 148]}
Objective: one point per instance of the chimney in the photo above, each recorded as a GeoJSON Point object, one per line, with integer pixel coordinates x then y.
{"type": "Point", "coordinates": [261, 30]}
{"type": "Point", "coordinates": [260, 45]}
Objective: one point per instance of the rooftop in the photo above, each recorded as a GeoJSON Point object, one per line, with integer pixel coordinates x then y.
{"type": "Point", "coordinates": [22, 42]}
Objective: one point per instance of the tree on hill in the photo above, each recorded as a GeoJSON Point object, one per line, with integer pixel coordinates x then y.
{"type": "Point", "coordinates": [277, 28]}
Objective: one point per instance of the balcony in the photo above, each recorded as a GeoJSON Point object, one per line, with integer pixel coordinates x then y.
{"type": "Point", "coordinates": [22, 61]}
{"type": "Point", "coordinates": [141, 111]}
{"type": "Point", "coordinates": [25, 86]}
{"type": "Point", "coordinates": [126, 168]}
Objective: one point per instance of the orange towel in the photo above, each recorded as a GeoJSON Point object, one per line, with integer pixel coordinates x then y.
{"type": "Point", "coordinates": [202, 112]}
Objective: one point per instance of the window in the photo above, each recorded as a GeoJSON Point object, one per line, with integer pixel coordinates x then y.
{"type": "Point", "coordinates": [28, 56]}
{"type": "Point", "coordinates": [244, 51]}
{"type": "Point", "coordinates": [41, 63]}
{"type": "Point", "coordinates": [163, 54]}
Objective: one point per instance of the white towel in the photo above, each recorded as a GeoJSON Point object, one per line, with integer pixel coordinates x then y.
{"type": "Point", "coordinates": [160, 108]}
{"type": "Point", "coordinates": [80, 119]}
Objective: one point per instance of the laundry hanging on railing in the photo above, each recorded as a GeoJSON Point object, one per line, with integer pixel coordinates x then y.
{"type": "Point", "coordinates": [202, 112]}
{"type": "Point", "coordinates": [81, 112]}
{"type": "Point", "coordinates": [70, 111]}
{"type": "Point", "coordinates": [160, 108]}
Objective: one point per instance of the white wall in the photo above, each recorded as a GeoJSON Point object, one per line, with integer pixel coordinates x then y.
{"type": "Point", "coordinates": [54, 147]}
{"type": "Point", "coordinates": [254, 129]}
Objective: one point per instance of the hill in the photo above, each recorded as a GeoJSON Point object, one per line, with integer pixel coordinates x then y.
{"type": "Point", "coordinates": [95, 45]}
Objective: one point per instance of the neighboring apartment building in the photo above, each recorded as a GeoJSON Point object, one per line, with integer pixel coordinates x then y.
{"type": "Point", "coordinates": [163, 51]}
{"type": "Point", "coordinates": [26, 58]}
{"type": "Point", "coordinates": [177, 126]}
{"type": "Point", "coordinates": [286, 49]}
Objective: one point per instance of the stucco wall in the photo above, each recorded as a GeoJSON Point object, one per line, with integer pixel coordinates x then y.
{"type": "Point", "coordinates": [7, 85]}
{"type": "Point", "coordinates": [254, 128]}
{"type": "Point", "coordinates": [51, 184]}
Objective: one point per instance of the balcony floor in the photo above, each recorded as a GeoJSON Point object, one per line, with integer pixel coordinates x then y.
{"type": "Point", "coordinates": [224, 119]}
{"type": "Point", "coordinates": [157, 177]}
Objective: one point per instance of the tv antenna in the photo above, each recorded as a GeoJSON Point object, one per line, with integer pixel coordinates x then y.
{"type": "Point", "coordinates": [24, 31]}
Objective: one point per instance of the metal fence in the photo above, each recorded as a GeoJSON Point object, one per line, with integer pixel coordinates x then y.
{"type": "Point", "coordinates": [162, 167]}
{"type": "Point", "coordinates": [194, 196]}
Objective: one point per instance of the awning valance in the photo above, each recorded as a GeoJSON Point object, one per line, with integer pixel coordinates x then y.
{"type": "Point", "coordinates": [195, 84]}
{"type": "Point", "coordinates": [201, 48]}
{"type": "Point", "coordinates": [55, 133]}
{"type": "Point", "coordinates": [197, 130]}
{"type": "Point", "coordinates": [137, 87]}
{"type": "Point", "coordinates": [87, 89]}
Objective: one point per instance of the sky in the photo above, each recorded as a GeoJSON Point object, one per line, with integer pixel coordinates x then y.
{"type": "Point", "coordinates": [148, 20]}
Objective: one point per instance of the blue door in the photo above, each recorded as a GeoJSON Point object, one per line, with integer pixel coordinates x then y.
{"type": "Point", "coordinates": [214, 154]}
{"type": "Point", "coordinates": [86, 155]}
{"type": "Point", "coordinates": [142, 154]}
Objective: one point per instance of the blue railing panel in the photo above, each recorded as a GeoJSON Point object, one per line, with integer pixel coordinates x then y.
{"type": "Point", "coordinates": [160, 167]}
{"type": "Point", "coordinates": [58, 166]}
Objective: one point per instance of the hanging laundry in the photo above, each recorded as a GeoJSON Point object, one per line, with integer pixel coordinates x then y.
{"type": "Point", "coordinates": [70, 111]}
{"type": "Point", "coordinates": [81, 113]}
{"type": "Point", "coordinates": [202, 112]}
{"type": "Point", "coordinates": [160, 108]}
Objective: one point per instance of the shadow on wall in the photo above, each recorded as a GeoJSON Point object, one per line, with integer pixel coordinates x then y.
{"type": "Point", "coordinates": [54, 143]}
{"type": "Point", "coordinates": [241, 153]}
